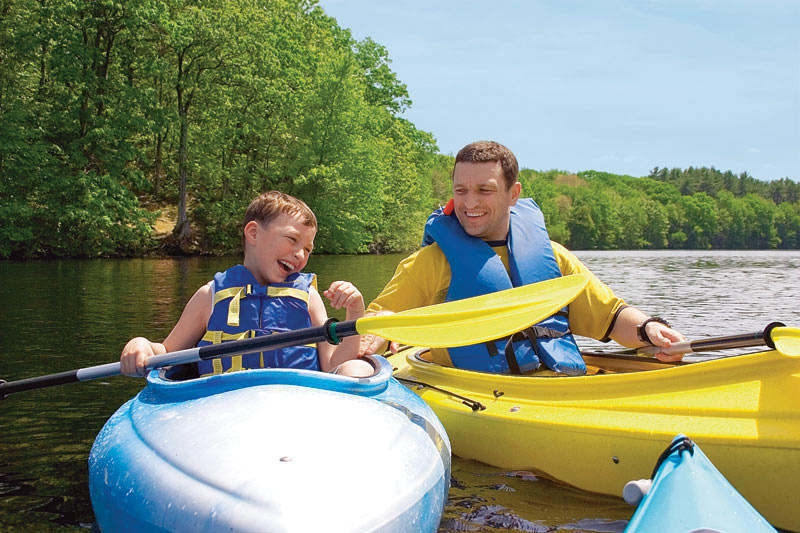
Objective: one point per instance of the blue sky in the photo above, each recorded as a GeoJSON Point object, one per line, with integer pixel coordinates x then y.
{"type": "Point", "coordinates": [615, 85]}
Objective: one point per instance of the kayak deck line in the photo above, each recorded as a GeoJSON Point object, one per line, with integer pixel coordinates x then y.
{"type": "Point", "coordinates": [472, 404]}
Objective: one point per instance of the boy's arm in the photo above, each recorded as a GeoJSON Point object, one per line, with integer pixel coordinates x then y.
{"type": "Point", "coordinates": [187, 332]}
{"type": "Point", "coordinates": [318, 314]}
{"type": "Point", "coordinates": [191, 326]}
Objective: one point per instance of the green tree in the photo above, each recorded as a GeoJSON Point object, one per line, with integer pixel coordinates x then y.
{"type": "Point", "coordinates": [701, 220]}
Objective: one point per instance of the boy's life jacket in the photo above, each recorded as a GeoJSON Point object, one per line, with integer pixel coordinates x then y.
{"type": "Point", "coordinates": [476, 269]}
{"type": "Point", "coordinates": [243, 308]}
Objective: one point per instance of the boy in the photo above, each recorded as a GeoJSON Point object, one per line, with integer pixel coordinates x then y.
{"type": "Point", "coordinates": [268, 293]}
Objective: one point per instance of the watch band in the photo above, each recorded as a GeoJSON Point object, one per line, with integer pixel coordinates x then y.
{"type": "Point", "coordinates": [641, 330]}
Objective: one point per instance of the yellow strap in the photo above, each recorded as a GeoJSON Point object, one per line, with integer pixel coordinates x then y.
{"type": "Point", "coordinates": [215, 337]}
{"type": "Point", "coordinates": [287, 292]}
{"type": "Point", "coordinates": [227, 293]}
{"type": "Point", "coordinates": [236, 363]}
{"type": "Point", "coordinates": [235, 294]}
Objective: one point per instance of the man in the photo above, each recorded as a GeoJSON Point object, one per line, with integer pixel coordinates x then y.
{"type": "Point", "coordinates": [488, 239]}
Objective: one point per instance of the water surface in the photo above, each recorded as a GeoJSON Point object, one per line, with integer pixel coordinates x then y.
{"type": "Point", "coordinates": [62, 315]}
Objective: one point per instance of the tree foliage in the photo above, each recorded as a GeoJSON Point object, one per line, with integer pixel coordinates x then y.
{"type": "Point", "coordinates": [598, 210]}
{"type": "Point", "coordinates": [107, 105]}
{"type": "Point", "coordinates": [112, 107]}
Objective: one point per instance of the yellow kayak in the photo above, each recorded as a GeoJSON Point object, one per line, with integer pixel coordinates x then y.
{"type": "Point", "coordinates": [599, 431]}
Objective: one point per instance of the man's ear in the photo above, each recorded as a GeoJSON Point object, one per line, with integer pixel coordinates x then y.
{"type": "Point", "coordinates": [250, 232]}
{"type": "Point", "coordinates": [516, 190]}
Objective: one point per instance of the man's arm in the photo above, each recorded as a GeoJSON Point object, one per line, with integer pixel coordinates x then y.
{"type": "Point", "coordinates": [626, 332]}
{"type": "Point", "coordinates": [597, 309]}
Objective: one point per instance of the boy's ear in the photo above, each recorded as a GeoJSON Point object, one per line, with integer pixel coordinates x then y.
{"type": "Point", "coordinates": [250, 232]}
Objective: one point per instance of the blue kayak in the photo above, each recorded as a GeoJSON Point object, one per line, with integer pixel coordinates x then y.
{"type": "Point", "coordinates": [271, 450]}
{"type": "Point", "coordinates": [688, 494]}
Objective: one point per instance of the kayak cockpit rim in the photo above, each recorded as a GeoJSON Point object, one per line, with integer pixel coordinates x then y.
{"type": "Point", "coordinates": [599, 363]}
{"type": "Point", "coordinates": [159, 381]}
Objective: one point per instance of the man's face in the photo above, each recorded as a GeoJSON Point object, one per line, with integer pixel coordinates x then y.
{"type": "Point", "coordinates": [481, 200]}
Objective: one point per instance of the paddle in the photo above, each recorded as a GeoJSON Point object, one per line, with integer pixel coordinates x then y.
{"type": "Point", "coordinates": [456, 323]}
{"type": "Point", "coordinates": [775, 335]}
{"type": "Point", "coordinates": [786, 340]}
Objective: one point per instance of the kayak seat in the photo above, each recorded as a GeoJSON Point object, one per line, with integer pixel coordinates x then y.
{"type": "Point", "coordinates": [182, 372]}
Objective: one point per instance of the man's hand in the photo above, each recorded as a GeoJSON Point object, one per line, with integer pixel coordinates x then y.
{"type": "Point", "coordinates": [663, 336]}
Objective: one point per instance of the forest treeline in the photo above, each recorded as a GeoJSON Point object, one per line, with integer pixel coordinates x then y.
{"type": "Point", "coordinates": [694, 208]}
{"type": "Point", "coordinates": [109, 106]}
{"type": "Point", "coordinates": [110, 109]}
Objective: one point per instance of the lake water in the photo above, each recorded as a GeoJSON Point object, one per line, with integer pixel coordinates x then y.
{"type": "Point", "coordinates": [62, 315]}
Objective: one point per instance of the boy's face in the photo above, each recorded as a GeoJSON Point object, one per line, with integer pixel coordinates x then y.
{"type": "Point", "coordinates": [278, 249]}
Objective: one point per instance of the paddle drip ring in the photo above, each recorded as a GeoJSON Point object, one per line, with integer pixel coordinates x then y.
{"type": "Point", "coordinates": [330, 331]}
{"type": "Point", "coordinates": [768, 333]}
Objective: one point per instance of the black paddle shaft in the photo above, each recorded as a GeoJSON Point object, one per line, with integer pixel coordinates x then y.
{"type": "Point", "coordinates": [332, 332]}
{"type": "Point", "coordinates": [329, 332]}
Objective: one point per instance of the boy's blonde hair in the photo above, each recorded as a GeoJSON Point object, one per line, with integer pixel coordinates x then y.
{"type": "Point", "coordinates": [267, 206]}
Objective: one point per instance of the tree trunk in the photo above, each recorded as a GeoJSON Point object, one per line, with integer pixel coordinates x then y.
{"type": "Point", "coordinates": [157, 170]}
{"type": "Point", "coordinates": [183, 230]}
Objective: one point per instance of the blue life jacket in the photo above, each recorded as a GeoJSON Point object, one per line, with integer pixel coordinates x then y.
{"type": "Point", "coordinates": [476, 269]}
{"type": "Point", "coordinates": [243, 308]}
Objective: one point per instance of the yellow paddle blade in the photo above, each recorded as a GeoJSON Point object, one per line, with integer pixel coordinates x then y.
{"type": "Point", "coordinates": [477, 319]}
{"type": "Point", "coordinates": [787, 340]}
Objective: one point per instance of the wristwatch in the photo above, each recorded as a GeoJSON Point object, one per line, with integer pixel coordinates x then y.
{"type": "Point", "coordinates": [641, 332]}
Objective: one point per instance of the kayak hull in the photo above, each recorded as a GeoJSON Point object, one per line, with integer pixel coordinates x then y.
{"type": "Point", "coordinates": [271, 450]}
{"type": "Point", "coordinates": [597, 432]}
{"type": "Point", "coordinates": [689, 494]}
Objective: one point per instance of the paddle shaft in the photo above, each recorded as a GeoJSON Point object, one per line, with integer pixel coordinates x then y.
{"type": "Point", "coordinates": [329, 332]}
{"type": "Point", "coordinates": [743, 340]}
{"type": "Point", "coordinates": [708, 345]}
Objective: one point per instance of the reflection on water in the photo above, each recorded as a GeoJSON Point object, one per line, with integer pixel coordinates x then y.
{"type": "Point", "coordinates": [482, 498]}
{"type": "Point", "coordinates": [62, 315]}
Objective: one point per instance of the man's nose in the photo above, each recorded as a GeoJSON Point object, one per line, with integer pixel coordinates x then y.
{"type": "Point", "coordinates": [470, 200]}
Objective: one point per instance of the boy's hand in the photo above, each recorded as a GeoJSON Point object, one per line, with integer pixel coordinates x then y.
{"type": "Point", "coordinates": [134, 355]}
{"type": "Point", "coordinates": [345, 294]}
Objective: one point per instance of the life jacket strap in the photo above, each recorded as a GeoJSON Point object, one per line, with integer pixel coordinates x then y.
{"type": "Point", "coordinates": [287, 292]}
{"type": "Point", "coordinates": [540, 332]}
{"type": "Point", "coordinates": [235, 294]}
{"type": "Point", "coordinates": [531, 333]}
{"type": "Point", "coordinates": [511, 357]}
{"type": "Point", "coordinates": [216, 337]}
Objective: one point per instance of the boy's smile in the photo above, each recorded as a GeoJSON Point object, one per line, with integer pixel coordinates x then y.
{"type": "Point", "coordinates": [279, 249]}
